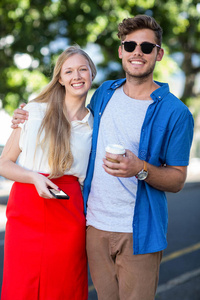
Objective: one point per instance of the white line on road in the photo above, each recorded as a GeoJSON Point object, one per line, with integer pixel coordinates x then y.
{"type": "Point", "coordinates": [177, 281]}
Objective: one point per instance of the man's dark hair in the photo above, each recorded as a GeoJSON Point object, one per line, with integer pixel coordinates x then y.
{"type": "Point", "coordinates": [139, 22]}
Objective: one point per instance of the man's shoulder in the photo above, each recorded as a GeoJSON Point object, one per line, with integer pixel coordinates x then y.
{"type": "Point", "coordinates": [176, 103]}
{"type": "Point", "coordinates": [169, 99]}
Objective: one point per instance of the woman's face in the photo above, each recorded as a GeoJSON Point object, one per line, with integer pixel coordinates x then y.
{"type": "Point", "coordinates": [76, 75]}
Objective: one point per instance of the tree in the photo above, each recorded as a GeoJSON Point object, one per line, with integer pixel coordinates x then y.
{"type": "Point", "coordinates": [179, 19]}
{"type": "Point", "coordinates": [26, 29]}
{"type": "Point", "coordinates": [181, 22]}
{"type": "Point", "coordinates": [41, 28]}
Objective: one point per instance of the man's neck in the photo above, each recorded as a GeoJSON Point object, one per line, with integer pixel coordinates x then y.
{"type": "Point", "coordinates": [138, 89]}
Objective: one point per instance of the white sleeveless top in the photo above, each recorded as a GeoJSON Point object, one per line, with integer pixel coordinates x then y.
{"type": "Point", "coordinates": [81, 136]}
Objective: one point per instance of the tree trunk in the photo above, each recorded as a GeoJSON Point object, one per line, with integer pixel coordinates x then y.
{"type": "Point", "coordinates": [190, 74]}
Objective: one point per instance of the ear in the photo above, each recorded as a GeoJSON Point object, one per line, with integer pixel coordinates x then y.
{"type": "Point", "coordinates": [160, 54]}
{"type": "Point", "coordinates": [60, 81]}
{"type": "Point", "coordinates": [120, 51]}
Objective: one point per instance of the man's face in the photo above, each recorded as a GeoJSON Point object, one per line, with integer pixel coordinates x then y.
{"type": "Point", "coordinates": [137, 64]}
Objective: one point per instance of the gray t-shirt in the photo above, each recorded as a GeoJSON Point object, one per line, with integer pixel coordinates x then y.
{"type": "Point", "coordinates": [111, 200]}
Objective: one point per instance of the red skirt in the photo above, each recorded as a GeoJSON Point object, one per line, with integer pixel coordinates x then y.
{"type": "Point", "coordinates": [44, 255]}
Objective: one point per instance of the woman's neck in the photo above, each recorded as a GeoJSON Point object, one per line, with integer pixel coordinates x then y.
{"type": "Point", "coordinates": [76, 109]}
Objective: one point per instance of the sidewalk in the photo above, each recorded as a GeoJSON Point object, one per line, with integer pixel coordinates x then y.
{"type": "Point", "coordinates": [193, 174]}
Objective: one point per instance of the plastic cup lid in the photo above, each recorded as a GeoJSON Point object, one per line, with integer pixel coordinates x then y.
{"type": "Point", "coordinates": [115, 149]}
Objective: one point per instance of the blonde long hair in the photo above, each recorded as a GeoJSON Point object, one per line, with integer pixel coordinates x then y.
{"type": "Point", "coordinates": [55, 123]}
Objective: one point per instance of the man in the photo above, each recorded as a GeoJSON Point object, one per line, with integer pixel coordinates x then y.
{"type": "Point", "coordinates": [127, 207]}
{"type": "Point", "coordinates": [125, 201]}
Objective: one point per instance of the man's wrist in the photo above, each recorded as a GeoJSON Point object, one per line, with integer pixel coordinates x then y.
{"type": "Point", "coordinates": [143, 174]}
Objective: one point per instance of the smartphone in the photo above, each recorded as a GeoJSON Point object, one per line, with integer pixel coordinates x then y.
{"type": "Point", "coordinates": [58, 194]}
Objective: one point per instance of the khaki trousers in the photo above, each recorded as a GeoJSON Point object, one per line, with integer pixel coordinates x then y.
{"type": "Point", "coordinates": [117, 273]}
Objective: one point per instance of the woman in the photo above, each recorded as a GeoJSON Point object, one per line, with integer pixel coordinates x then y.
{"type": "Point", "coordinates": [45, 254]}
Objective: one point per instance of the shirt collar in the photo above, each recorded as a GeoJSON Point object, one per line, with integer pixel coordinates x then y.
{"type": "Point", "coordinates": [161, 92]}
{"type": "Point", "coordinates": [88, 119]}
{"type": "Point", "coordinates": [157, 95]}
{"type": "Point", "coordinates": [117, 83]}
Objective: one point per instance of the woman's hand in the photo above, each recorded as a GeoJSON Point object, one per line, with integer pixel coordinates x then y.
{"type": "Point", "coordinates": [42, 183]}
{"type": "Point", "coordinates": [19, 116]}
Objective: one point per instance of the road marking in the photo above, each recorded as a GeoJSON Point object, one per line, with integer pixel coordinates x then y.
{"type": "Point", "coordinates": [179, 253]}
{"type": "Point", "coordinates": [177, 281]}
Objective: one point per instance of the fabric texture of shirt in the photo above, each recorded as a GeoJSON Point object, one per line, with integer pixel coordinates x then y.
{"type": "Point", "coordinates": [81, 135]}
{"type": "Point", "coordinates": [111, 201]}
{"type": "Point", "coordinates": [166, 138]}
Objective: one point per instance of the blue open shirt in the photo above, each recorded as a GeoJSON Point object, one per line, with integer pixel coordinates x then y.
{"type": "Point", "coordinates": [166, 138]}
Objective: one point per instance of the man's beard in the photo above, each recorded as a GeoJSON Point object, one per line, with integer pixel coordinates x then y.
{"type": "Point", "coordinates": [141, 77]}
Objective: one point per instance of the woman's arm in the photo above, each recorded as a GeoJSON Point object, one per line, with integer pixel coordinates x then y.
{"type": "Point", "coordinates": [10, 170]}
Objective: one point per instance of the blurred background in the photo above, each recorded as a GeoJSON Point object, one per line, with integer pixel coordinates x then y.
{"type": "Point", "coordinates": [34, 33]}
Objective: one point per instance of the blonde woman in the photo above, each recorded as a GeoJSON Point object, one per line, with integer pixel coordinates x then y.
{"type": "Point", "coordinates": [45, 255]}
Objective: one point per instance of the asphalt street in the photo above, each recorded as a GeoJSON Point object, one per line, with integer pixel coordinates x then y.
{"type": "Point", "coordinates": [180, 267]}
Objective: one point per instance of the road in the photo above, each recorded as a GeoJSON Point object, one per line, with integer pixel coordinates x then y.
{"type": "Point", "coordinates": [180, 267]}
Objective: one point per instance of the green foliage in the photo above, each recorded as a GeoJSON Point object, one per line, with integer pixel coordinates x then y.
{"type": "Point", "coordinates": [22, 82]}
{"type": "Point", "coordinates": [194, 105]}
{"type": "Point", "coordinates": [42, 28]}
{"type": "Point", "coordinates": [166, 67]}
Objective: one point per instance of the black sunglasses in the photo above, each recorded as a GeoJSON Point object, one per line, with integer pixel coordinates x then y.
{"type": "Point", "coordinates": [146, 47]}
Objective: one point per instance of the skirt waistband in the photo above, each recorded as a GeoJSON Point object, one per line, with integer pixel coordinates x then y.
{"type": "Point", "coordinates": [63, 179]}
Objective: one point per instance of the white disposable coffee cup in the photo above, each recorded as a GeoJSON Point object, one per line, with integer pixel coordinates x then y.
{"type": "Point", "coordinates": [114, 149]}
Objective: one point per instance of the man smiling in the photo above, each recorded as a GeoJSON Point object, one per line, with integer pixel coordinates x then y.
{"type": "Point", "coordinates": [127, 207]}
